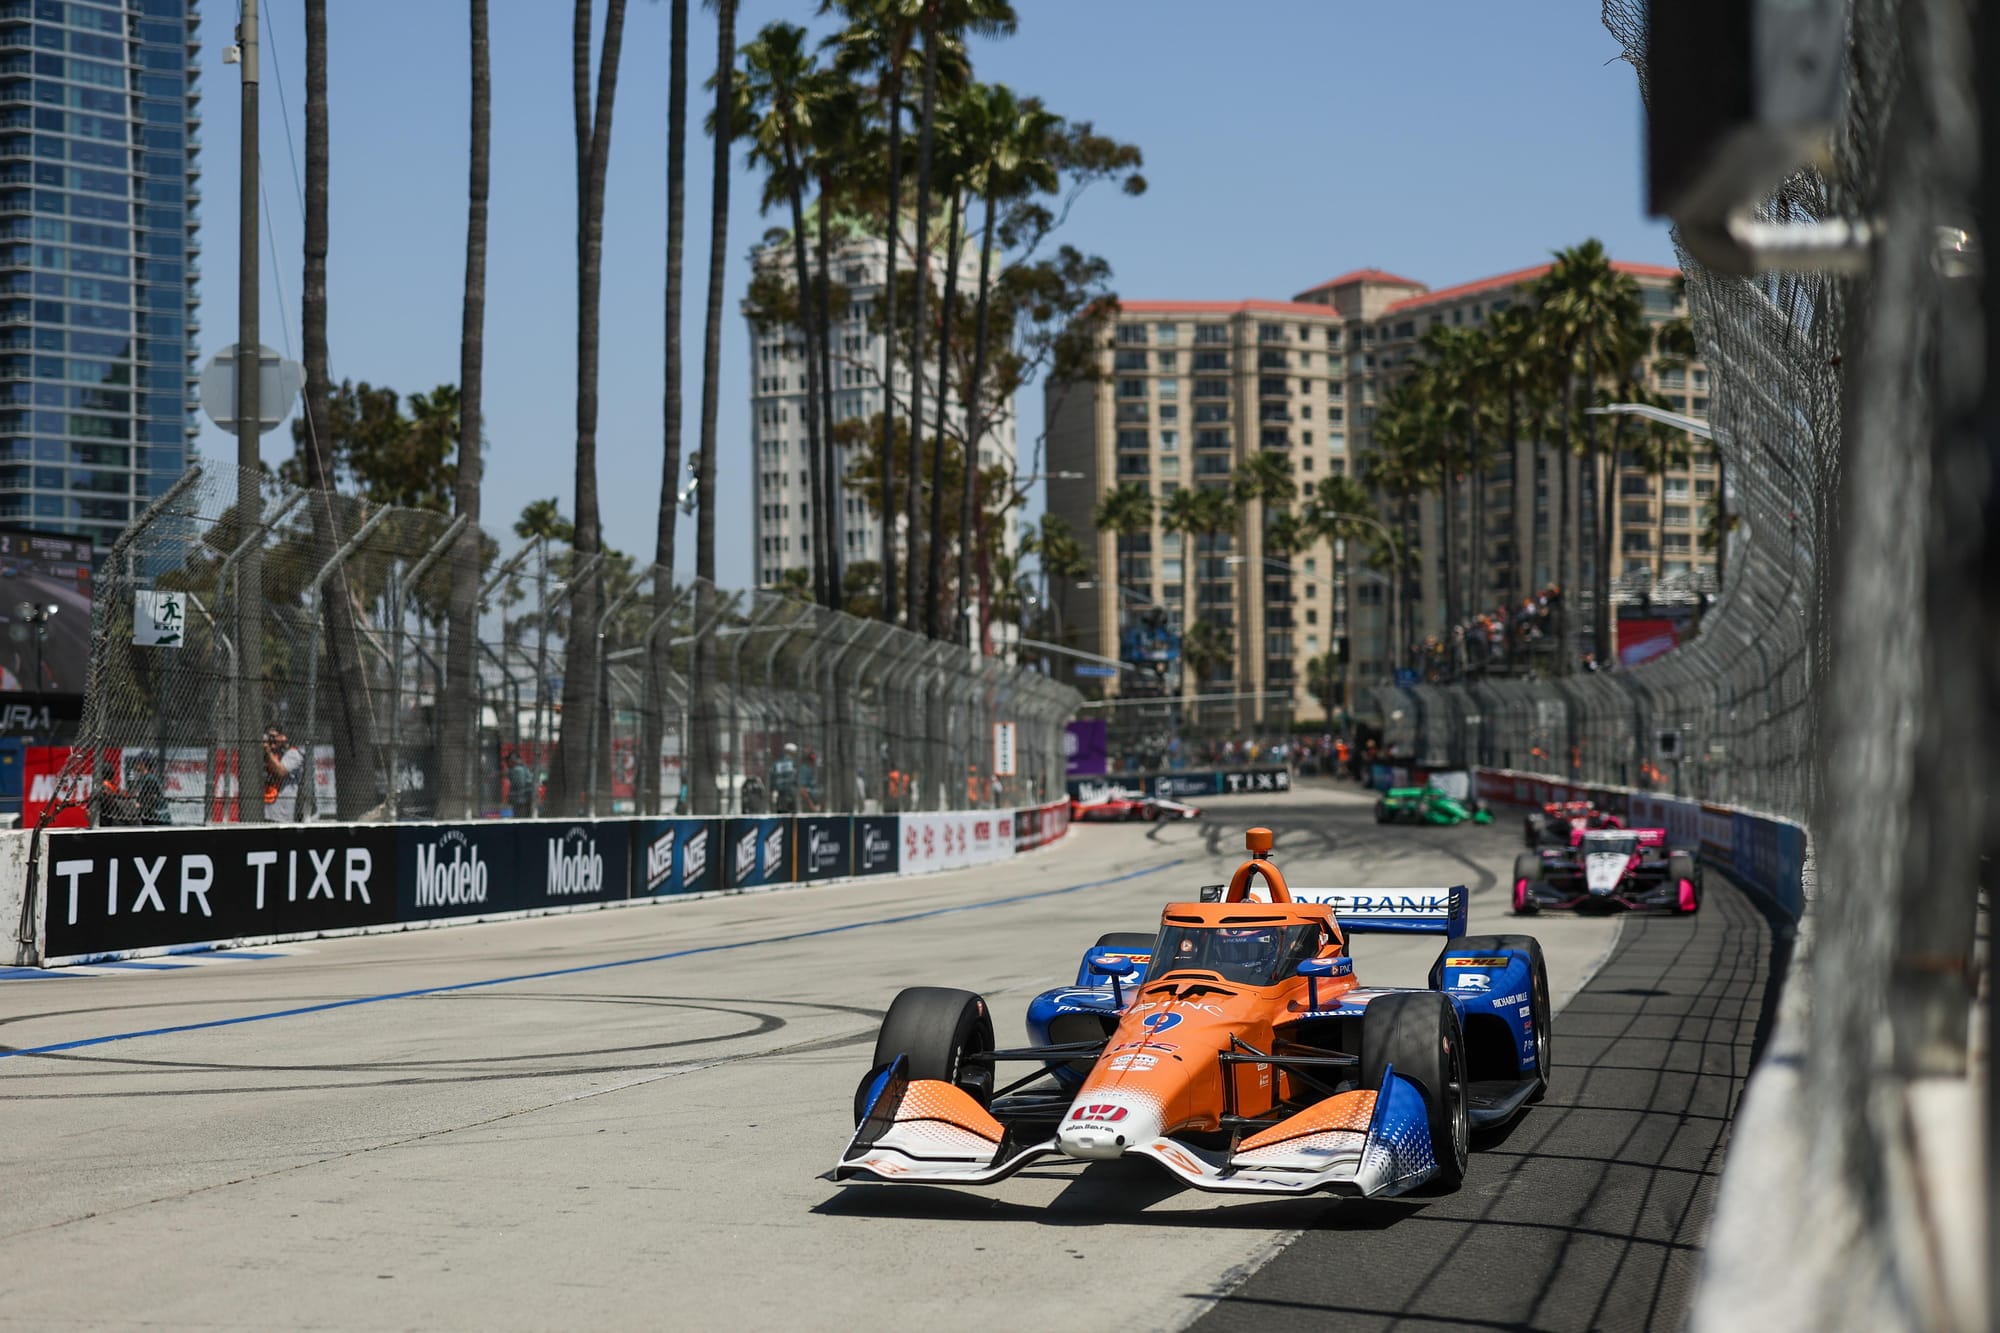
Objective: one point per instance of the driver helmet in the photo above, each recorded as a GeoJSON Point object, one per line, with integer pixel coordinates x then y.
{"type": "Point", "coordinates": [1251, 947]}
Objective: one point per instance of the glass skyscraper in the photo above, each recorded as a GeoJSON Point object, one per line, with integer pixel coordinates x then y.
{"type": "Point", "coordinates": [98, 223]}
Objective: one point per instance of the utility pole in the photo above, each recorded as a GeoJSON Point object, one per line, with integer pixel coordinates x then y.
{"type": "Point", "coordinates": [249, 411]}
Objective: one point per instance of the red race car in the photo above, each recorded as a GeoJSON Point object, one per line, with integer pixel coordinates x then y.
{"type": "Point", "coordinates": [1119, 804]}
{"type": "Point", "coordinates": [1609, 870]}
{"type": "Point", "coordinates": [1558, 821]}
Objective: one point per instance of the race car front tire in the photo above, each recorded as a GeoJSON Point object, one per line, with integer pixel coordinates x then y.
{"type": "Point", "coordinates": [1417, 1034]}
{"type": "Point", "coordinates": [934, 1028]}
{"type": "Point", "coordinates": [1381, 812]}
{"type": "Point", "coordinates": [1540, 1007]}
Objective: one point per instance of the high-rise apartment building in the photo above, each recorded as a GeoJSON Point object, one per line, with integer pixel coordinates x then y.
{"type": "Point", "coordinates": [782, 494]}
{"type": "Point", "coordinates": [1192, 388]}
{"type": "Point", "coordinates": [98, 170]}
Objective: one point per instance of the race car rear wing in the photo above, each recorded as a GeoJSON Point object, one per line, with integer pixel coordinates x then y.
{"type": "Point", "coordinates": [1421, 911]}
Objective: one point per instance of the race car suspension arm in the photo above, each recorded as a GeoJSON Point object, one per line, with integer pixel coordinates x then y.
{"type": "Point", "coordinates": [1242, 1052]}
{"type": "Point", "coordinates": [1065, 1051]}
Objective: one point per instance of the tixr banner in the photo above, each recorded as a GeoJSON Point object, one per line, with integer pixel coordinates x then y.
{"type": "Point", "coordinates": [112, 890]}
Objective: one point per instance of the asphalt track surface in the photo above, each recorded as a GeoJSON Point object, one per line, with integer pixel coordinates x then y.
{"type": "Point", "coordinates": [626, 1119]}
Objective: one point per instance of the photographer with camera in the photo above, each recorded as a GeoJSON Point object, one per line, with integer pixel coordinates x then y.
{"type": "Point", "coordinates": [282, 762]}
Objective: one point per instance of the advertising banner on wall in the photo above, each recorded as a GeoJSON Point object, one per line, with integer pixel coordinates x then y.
{"type": "Point", "coordinates": [1255, 779]}
{"type": "Point", "coordinates": [675, 856]}
{"type": "Point", "coordinates": [877, 844]}
{"type": "Point", "coordinates": [825, 846]}
{"type": "Point", "coordinates": [457, 870]}
{"type": "Point", "coordinates": [112, 890]}
{"type": "Point", "coordinates": [757, 852]}
{"type": "Point", "coordinates": [1027, 829]}
{"type": "Point", "coordinates": [562, 865]}
{"type": "Point", "coordinates": [1086, 747]}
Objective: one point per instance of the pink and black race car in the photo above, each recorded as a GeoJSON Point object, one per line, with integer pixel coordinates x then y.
{"type": "Point", "coordinates": [1121, 804]}
{"type": "Point", "coordinates": [1609, 870]}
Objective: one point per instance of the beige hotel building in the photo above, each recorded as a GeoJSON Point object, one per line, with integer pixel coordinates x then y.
{"type": "Point", "coordinates": [1190, 388]}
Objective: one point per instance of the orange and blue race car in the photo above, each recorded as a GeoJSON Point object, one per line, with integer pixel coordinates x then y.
{"type": "Point", "coordinates": [1609, 870]}
{"type": "Point", "coordinates": [1234, 1047]}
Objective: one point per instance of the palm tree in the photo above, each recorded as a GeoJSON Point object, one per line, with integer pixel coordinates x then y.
{"type": "Point", "coordinates": [1402, 468]}
{"type": "Point", "coordinates": [701, 750]}
{"type": "Point", "coordinates": [461, 694]}
{"type": "Point", "coordinates": [878, 39]}
{"type": "Point", "coordinates": [840, 143]}
{"type": "Point", "coordinates": [1125, 510]}
{"type": "Point", "coordinates": [654, 725]}
{"type": "Point", "coordinates": [568, 782]}
{"type": "Point", "coordinates": [1594, 310]}
{"type": "Point", "coordinates": [351, 720]}
{"type": "Point", "coordinates": [1205, 647]}
{"type": "Point", "coordinates": [775, 105]}
{"type": "Point", "coordinates": [1181, 516]}
{"type": "Point", "coordinates": [949, 148]}
{"type": "Point", "coordinates": [1510, 338]}
{"type": "Point", "coordinates": [1342, 512]}
{"type": "Point", "coordinates": [1062, 557]}
{"type": "Point", "coordinates": [942, 21]}
{"type": "Point", "coordinates": [1007, 143]}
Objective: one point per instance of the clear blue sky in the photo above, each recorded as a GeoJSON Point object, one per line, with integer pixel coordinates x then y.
{"type": "Point", "coordinates": [1285, 141]}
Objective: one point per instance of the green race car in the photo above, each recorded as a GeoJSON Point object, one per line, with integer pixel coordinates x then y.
{"type": "Point", "coordinates": [1426, 805]}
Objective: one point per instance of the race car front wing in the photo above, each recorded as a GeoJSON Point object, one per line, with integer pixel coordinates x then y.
{"type": "Point", "coordinates": [1364, 1143]}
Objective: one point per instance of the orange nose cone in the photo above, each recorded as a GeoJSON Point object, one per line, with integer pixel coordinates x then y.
{"type": "Point", "coordinates": [1258, 840]}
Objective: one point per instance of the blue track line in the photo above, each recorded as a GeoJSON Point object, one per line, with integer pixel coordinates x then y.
{"type": "Point", "coordinates": [82, 1042]}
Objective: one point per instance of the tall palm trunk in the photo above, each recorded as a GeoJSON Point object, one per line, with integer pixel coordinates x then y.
{"type": "Point", "coordinates": [934, 569]}
{"type": "Point", "coordinates": [1475, 587]}
{"type": "Point", "coordinates": [571, 782]}
{"type": "Point", "coordinates": [1607, 514]}
{"type": "Point", "coordinates": [975, 429]}
{"type": "Point", "coordinates": [828, 498]}
{"type": "Point", "coordinates": [350, 725]}
{"type": "Point", "coordinates": [1448, 533]}
{"type": "Point", "coordinates": [892, 234]}
{"type": "Point", "coordinates": [654, 728]}
{"type": "Point", "coordinates": [460, 709]}
{"type": "Point", "coordinates": [701, 744]}
{"type": "Point", "coordinates": [1560, 502]}
{"type": "Point", "coordinates": [808, 331]}
{"type": "Point", "coordinates": [913, 583]}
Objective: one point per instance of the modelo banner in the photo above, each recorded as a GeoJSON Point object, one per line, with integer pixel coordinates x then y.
{"type": "Point", "coordinates": [877, 844]}
{"type": "Point", "coordinates": [756, 852]}
{"type": "Point", "coordinates": [825, 847]}
{"type": "Point", "coordinates": [676, 856]}
{"type": "Point", "coordinates": [475, 869]}
{"type": "Point", "coordinates": [113, 890]}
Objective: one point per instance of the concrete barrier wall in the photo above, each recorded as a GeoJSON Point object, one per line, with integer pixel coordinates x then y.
{"type": "Point", "coordinates": [109, 893]}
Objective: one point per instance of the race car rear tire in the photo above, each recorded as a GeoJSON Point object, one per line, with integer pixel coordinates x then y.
{"type": "Point", "coordinates": [1681, 870]}
{"type": "Point", "coordinates": [1541, 1006]}
{"type": "Point", "coordinates": [1138, 941]}
{"type": "Point", "coordinates": [1417, 1033]}
{"type": "Point", "coordinates": [934, 1028]}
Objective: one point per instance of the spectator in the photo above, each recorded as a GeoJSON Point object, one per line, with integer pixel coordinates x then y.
{"type": "Point", "coordinates": [282, 763]}
{"type": "Point", "coordinates": [521, 788]}
{"type": "Point", "coordinates": [149, 797]}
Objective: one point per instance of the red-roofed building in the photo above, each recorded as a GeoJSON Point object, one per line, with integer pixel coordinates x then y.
{"type": "Point", "coordinates": [1192, 389]}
